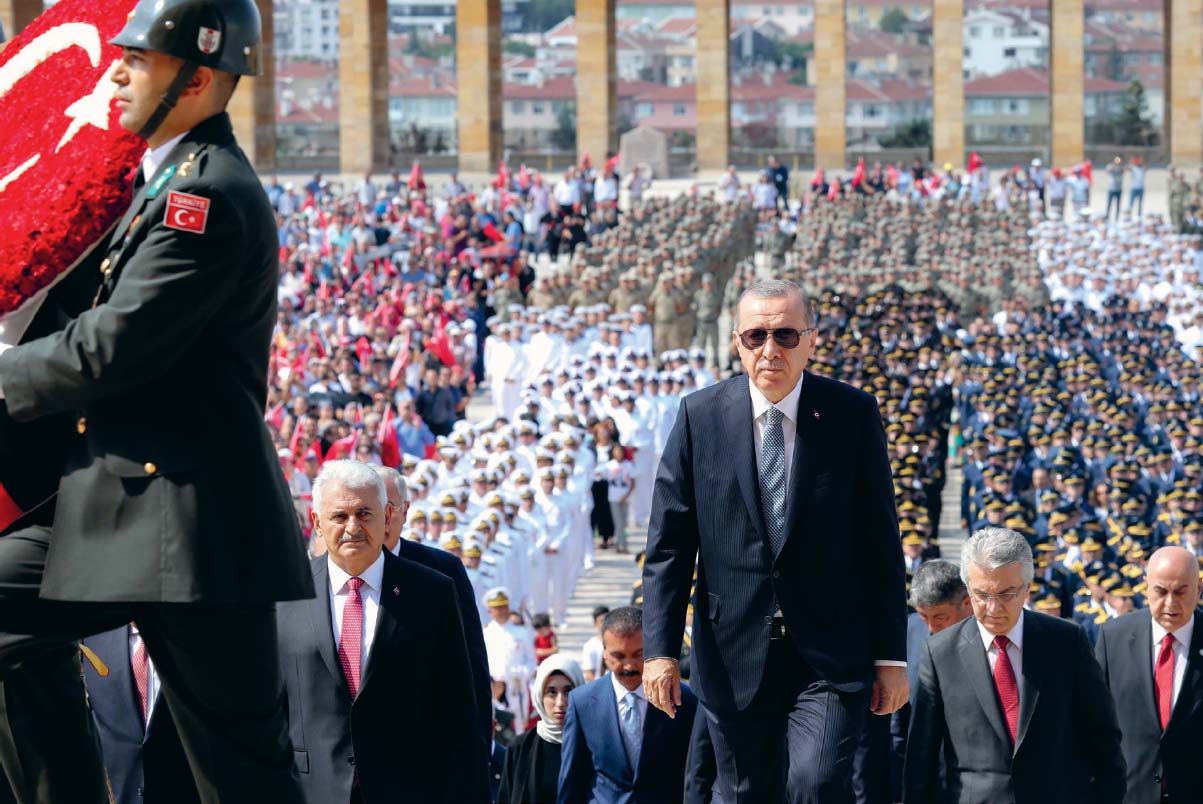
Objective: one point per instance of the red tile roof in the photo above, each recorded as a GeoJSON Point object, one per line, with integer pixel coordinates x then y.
{"type": "Point", "coordinates": [1031, 81]}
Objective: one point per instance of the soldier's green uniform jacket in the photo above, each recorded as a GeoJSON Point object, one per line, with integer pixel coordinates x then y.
{"type": "Point", "coordinates": [172, 491]}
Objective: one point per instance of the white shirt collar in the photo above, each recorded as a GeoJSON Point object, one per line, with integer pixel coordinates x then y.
{"type": "Point", "coordinates": [788, 406]}
{"type": "Point", "coordinates": [372, 577]}
{"type": "Point", "coordinates": [1015, 634]}
{"type": "Point", "coordinates": [621, 692]}
{"type": "Point", "coordinates": [153, 158]}
{"type": "Point", "coordinates": [1183, 634]}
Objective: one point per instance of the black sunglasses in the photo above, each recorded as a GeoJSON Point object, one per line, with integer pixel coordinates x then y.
{"type": "Point", "coordinates": [785, 337]}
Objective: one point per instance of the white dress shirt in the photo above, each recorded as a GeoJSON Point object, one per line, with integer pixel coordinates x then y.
{"type": "Point", "coordinates": [789, 430]}
{"type": "Point", "coordinates": [153, 158]}
{"type": "Point", "coordinates": [1014, 648]}
{"type": "Point", "coordinates": [152, 678]}
{"type": "Point", "coordinates": [369, 593]}
{"type": "Point", "coordinates": [789, 424]}
{"type": "Point", "coordinates": [621, 693]}
{"type": "Point", "coordinates": [1182, 638]}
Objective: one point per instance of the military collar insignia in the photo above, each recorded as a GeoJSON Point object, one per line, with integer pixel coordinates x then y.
{"type": "Point", "coordinates": [158, 184]}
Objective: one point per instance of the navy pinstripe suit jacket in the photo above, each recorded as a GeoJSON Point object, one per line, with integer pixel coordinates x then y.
{"type": "Point", "coordinates": [839, 579]}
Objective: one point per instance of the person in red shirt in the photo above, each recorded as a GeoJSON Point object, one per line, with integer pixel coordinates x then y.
{"type": "Point", "coordinates": [545, 637]}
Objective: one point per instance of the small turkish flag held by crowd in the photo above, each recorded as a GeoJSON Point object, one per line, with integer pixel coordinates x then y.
{"type": "Point", "coordinates": [65, 162]}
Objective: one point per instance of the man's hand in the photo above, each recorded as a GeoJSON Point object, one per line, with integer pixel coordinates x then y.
{"type": "Point", "coordinates": [890, 690]}
{"type": "Point", "coordinates": [662, 684]}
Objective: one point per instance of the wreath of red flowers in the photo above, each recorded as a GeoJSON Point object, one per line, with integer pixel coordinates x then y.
{"type": "Point", "coordinates": [65, 162]}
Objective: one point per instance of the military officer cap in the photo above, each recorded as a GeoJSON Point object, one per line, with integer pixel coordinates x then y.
{"type": "Point", "coordinates": [497, 596]}
{"type": "Point", "coordinates": [1048, 603]}
{"type": "Point", "coordinates": [449, 541]}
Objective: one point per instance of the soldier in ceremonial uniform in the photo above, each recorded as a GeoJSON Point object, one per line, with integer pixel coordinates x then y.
{"type": "Point", "coordinates": [172, 510]}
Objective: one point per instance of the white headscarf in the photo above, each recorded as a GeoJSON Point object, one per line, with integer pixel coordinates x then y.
{"type": "Point", "coordinates": [555, 663]}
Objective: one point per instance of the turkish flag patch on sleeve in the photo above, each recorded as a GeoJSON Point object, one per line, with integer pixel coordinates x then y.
{"type": "Point", "coordinates": [186, 212]}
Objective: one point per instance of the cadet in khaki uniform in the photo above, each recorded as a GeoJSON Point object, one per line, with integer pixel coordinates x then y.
{"type": "Point", "coordinates": [1178, 194]}
{"type": "Point", "coordinates": [172, 511]}
{"type": "Point", "coordinates": [708, 305]}
{"type": "Point", "coordinates": [626, 294]}
{"type": "Point", "coordinates": [663, 303]}
{"type": "Point", "coordinates": [541, 295]}
{"type": "Point", "coordinates": [686, 319]}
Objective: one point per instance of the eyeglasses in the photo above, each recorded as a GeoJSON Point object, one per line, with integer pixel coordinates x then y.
{"type": "Point", "coordinates": [1003, 598]}
{"type": "Point", "coordinates": [785, 337]}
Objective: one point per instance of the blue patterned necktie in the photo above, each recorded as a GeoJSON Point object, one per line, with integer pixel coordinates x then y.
{"type": "Point", "coordinates": [632, 728]}
{"type": "Point", "coordinates": [772, 479]}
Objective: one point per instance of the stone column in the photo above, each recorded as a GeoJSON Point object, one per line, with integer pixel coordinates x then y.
{"type": "Point", "coordinates": [253, 107]}
{"type": "Point", "coordinates": [1066, 83]}
{"type": "Point", "coordinates": [831, 134]}
{"type": "Point", "coordinates": [1184, 81]}
{"type": "Point", "coordinates": [478, 80]}
{"type": "Point", "coordinates": [15, 15]}
{"type": "Point", "coordinates": [948, 85]}
{"type": "Point", "coordinates": [363, 85]}
{"type": "Point", "coordinates": [713, 85]}
{"type": "Point", "coordinates": [596, 95]}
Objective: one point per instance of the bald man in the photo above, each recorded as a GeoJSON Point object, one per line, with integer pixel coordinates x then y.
{"type": "Point", "coordinates": [447, 564]}
{"type": "Point", "coordinates": [1153, 663]}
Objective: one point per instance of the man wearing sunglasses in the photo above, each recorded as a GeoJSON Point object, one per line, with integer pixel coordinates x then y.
{"type": "Point", "coordinates": [778, 482]}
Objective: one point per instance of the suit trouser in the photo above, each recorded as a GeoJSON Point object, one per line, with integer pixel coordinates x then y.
{"type": "Point", "coordinates": [871, 763]}
{"type": "Point", "coordinates": [220, 676]}
{"type": "Point", "coordinates": [795, 740]}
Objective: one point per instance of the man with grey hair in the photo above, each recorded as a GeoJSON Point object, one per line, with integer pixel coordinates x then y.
{"type": "Point", "coordinates": [1008, 695]}
{"type": "Point", "coordinates": [380, 628]}
{"type": "Point", "coordinates": [448, 565]}
{"type": "Point", "coordinates": [940, 600]}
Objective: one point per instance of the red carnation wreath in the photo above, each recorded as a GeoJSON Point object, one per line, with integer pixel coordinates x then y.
{"type": "Point", "coordinates": [65, 162]}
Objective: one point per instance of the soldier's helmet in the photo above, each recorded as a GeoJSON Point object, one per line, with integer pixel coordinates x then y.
{"type": "Point", "coordinates": [219, 34]}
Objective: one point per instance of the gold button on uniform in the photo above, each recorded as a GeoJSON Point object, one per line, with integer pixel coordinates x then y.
{"type": "Point", "coordinates": [81, 426]}
{"type": "Point", "coordinates": [150, 468]}
{"type": "Point", "coordinates": [104, 266]}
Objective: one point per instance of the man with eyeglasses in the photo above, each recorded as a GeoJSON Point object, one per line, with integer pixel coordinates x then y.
{"type": "Point", "coordinates": [778, 481]}
{"type": "Point", "coordinates": [1010, 694]}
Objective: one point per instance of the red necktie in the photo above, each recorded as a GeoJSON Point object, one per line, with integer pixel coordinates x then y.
{"type": "Point", "coordinates": [1163, 680]}
{"type": "Point", "coordinates": [350, 640]}
{"type": "Point", "coordinates": [1006, 685]}
{"type": "Point", "coordinates": [141, 667]}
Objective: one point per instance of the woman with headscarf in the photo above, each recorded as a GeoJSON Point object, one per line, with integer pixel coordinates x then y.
{"type": "Point", "coordinates": [532, 762]}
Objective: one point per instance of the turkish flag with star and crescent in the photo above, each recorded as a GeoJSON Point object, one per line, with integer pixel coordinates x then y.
{"type": "Point", "coordinates": [66, 165]}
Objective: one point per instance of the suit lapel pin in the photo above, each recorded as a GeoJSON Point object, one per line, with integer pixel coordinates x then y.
{"type": "Point", "coordinates": [815, 413]}
{"type": "Point", "coordinates": [396, 592]}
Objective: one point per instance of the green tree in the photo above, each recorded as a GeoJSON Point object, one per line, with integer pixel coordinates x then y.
{"type": "Point", "coordinates": [542, 15]}
{"type": "Point", "coordinates": [564, 137]}
{"type": "Point", "coordinates": [893, 21]}
{"type": "Point", "coordinates": [913, 134]}
{"type": "Point", "coordinates": [518, 47]}
{"type": "Point", "coordinates": [1132, 124]}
